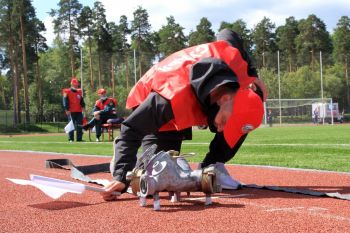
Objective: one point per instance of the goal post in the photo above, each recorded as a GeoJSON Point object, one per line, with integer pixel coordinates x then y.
{"type": "Point", "coordinates": [300, 111]}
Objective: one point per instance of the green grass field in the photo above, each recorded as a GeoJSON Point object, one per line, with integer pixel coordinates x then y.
{"type": "Point", "coordinates": [317, 147]}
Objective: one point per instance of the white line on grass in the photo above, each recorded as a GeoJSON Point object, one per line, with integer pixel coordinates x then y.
{"type": "Point", "coordinates": [48, 142]}
{"type": "Point", "coordinates": [279, 144]}
{"type": "Point", "coordinates": [299, 144]}
{"type": "Point", "coordinates": [56, 153]}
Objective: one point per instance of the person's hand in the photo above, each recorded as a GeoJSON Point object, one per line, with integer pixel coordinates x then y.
{"type": "Point", "coordinates": [113, 186]}
{"type": "Point", "coordinates": [97, 115]}
{"type": "Point", "coordinates": [262, 87]}
{"type": "Point", "coordinates": [67, 113]}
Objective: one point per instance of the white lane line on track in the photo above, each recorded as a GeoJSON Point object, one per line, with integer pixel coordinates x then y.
{"type": "Point", "coordinates": [284, 209]}
{"type": "Point", "coordinates": [235, 165]}
{"type": "Point", "coordinates": [317, 209]}
{"type": "Point", "coordinates": [216, 197]}
{"type": "Point", "coordinates": [313, 210]}
{"type": "Point", "coordinates": [297, 210]}
{"type": "Point", "coordinates": [32, 169]}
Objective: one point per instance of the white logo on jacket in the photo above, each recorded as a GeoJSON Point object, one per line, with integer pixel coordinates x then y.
{"type": "Point", "coordinates": [198, 52]}
{"type": "Point", "coordinates": [247, 128]}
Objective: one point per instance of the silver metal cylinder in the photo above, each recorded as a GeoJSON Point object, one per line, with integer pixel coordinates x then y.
{"type": "Point", "coordinates": [174, 174]}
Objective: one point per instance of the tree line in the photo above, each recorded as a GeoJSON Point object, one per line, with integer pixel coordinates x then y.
{"type": "Point", "coordinates": [115, 54]}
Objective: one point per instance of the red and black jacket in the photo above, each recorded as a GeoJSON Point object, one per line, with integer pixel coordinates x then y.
{"type": "Point", "coordinates": [73, 100]}
{"type": "Point", "coordinates": [106, 106]}
{"type": "Point", "coordinates": [178, 79]}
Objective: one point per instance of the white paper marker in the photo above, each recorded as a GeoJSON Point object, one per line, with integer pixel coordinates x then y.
{"type": "Point", "coordinates": [55, 188]}
{"type": "Point", "coordinates": [69, 127]}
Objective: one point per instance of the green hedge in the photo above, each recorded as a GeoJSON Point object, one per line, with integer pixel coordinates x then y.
{"type": "Point", "coordinates": [57, 127]}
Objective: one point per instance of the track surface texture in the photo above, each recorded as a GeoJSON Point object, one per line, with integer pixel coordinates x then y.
{"type": "Point", "coordinates": [27, 209]}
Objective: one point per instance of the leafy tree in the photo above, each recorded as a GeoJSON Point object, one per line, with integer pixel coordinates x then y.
{"type": "Point", "coordinates": [9, 40]}
{"type": "Point", "coordinates": [124, 31]}
{"type": "Point", "coordinates": [312, 39]}
{"type": "Point", "coordinates": [40, 46]}
{"type": "Point", "coordinates": [224, 25]}
{"type": "Point", "coordinates": [66, 22]}
{"type": "Point", "coordinates": [4, 92]}
{"type": "Point", "coordinates": [85, 22]}
{"type": "Point", "coordinates": [270, 80]}
{"type": "Point", "coordinates": [334, 84]}
{"type": "Point", "coordinates": [124, 49]}
{"type": "Point", "coordinates": [240, 27]}
{"type": "Point", "coordinates": [304, 83]}
{"type": "Point", "coordinates": [171, 37]}
{"type": "Point", "coordinates": [341, 53]}
{"type": "Point", "coordinates": [264, 38]}
{"type": "Point", "coordinates": [20, 36]}
{"type": "Point", "coordinates": [53, 66]}
{"type": "Point", "coordinates": [117, 49]}
{"type": "Point", "coordinates": [141, 39]}
{"type": "Point", "coordinates": [21, 6]}
{"type": "Point", "coordinates": [31, 43]}
{"type": "Point", "coordinates": [203, 33]}
{"type": "Point", "coordinates": [286, 36]}
{"type": "Point", "coordinates": [103, 39]}
{"type": "Point", "coordinates": [27, 20]}
{"type": "Point", "coordinates": [155, 40]}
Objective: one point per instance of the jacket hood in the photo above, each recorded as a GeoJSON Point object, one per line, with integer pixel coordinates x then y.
{"type": "Point", "coordinates": [235, 40]}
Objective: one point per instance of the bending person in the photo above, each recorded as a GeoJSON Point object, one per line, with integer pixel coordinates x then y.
{"type": "Point", "coordinates": [211, 84]}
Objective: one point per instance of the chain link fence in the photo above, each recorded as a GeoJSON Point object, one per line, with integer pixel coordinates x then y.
{"type": "Point", "coordinates": [53, 123]}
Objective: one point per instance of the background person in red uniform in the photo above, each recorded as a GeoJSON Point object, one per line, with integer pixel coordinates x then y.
{"type": "Point", "coordinates": [104, 109]}
{"type": "Point", "coordinates": [73, 104]}
{"type": "Point", "coordinates": [213, 84]}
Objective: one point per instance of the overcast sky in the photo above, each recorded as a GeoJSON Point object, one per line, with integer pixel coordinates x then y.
{"type": "Point", "coordinates": [187, 13]}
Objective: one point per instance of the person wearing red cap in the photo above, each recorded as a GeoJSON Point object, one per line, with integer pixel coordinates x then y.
{"type": "Point", "coordinates": [104, 109]}
{"type": "Point", "coordinates": [73, 104]}
{"type": "Point", "coordinates": [212, 84]}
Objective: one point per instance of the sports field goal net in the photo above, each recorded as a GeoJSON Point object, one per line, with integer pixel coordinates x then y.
{"type": "Point", "coordinates": [301, 111]}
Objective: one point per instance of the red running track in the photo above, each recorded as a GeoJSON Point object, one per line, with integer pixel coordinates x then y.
{"type": "Point", "coordinates": [27, 209]}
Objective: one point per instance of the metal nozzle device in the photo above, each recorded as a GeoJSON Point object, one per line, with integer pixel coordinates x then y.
{"type": "Point", "coordinates": [167, 171]}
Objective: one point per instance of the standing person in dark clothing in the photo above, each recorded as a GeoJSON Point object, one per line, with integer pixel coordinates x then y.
{"type": "Point", "coordinates": [211, 84]}
{"type": "Point", "coordinates": [316, 114]}
{"type": "Point", "coordinates": [269, 117]}
{"type": "Point", "coordinates": [73, 103]}
{"type": "Point", "coordinates": [104, 109]}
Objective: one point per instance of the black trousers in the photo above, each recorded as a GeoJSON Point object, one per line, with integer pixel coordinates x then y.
{"type": "Point", "coordinates": [77, 118]}
{"type": "Point", "coordinates": [141, 128]}
{"type": "Point", "coordinates": [98, 123]}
